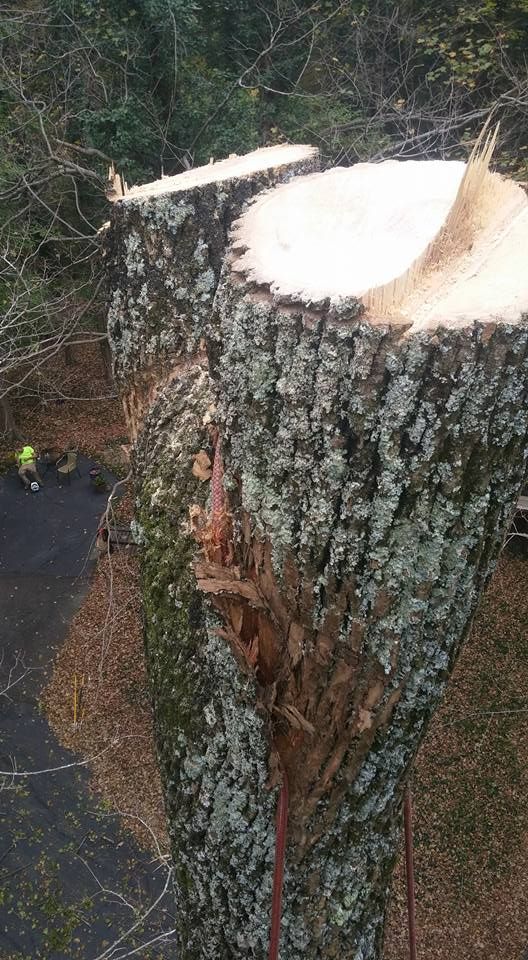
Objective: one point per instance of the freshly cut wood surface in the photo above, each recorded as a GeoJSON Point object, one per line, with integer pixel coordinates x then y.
{"type": "Point", "coordinates": [234, 167]}
{"type": "Point", "coordinates": [345, 231]}
{"type": "Point", "coordinates": [418, 240]}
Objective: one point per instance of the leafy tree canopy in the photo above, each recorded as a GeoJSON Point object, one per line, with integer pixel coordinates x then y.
{"type": "Point", "coordinates": [157, 86]}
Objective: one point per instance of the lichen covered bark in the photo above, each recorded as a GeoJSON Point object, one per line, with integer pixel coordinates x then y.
{"type": "Point", "coordinates": [382, 467]}
{"type": "Point", "coordinates": [164, 256]}
{"type": "Point", "coordinates": [213, 744]}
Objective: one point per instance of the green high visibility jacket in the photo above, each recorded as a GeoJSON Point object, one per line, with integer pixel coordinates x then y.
{"type": "Point", "coordinates": [26, 455]}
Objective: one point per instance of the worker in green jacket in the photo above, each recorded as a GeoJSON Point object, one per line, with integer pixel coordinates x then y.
{"type": "Point", "coordinates": [27, 465]}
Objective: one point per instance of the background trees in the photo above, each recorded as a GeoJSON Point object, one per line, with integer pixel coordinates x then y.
{"type": "Point", "coordinates": [160, 85]}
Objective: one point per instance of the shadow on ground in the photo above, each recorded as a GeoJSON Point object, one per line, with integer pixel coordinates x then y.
{"type": "Point", "coordinates": [71, 882]}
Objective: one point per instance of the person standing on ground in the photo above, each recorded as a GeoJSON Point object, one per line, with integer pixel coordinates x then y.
{"type": "Point", "coordinates": [27, 465]}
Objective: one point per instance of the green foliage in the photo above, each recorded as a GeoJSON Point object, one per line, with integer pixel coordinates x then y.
{"type": "Point", "coordinates": [231, 129]}
{"type": "Point", "coordinates": [156, 85]}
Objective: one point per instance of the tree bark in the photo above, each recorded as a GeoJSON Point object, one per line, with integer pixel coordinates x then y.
{"type": "Point", "coordinates": [164, 256]}
{"type": "Point", "coordinates": [373, 474]}
{"type": "Point", "coordinates": [7, 422]}
{"type": "Point", "coordinates": [308, 625]}
{"type": "Point", "coordinates": [164, 253]}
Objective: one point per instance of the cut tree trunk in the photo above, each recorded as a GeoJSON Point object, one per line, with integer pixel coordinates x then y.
{"type": "Point", "coordinates": [357, 402]}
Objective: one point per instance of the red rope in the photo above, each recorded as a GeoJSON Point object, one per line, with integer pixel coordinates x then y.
{"type": "Point", "coordinates": [278, 870]}
{"type": "Point", "coordinates": [409, 872]}
{"type": "Point", "coordinates": [217, 487]}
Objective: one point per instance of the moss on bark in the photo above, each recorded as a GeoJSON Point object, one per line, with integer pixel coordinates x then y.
{"type": "Point", "coordinates": [212, 741]}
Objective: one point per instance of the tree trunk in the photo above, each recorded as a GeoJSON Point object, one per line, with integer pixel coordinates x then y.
{"type": "Point", "coordinates": [373, 476]}
{"type": "Point", "coordinates": [106, 357]}
{"type": "Point", "coordinates": [164, 254]}
{"type": "Point", "coordinates": [7, 421]}
{"type": "Point", "coordinates": [302, 621]}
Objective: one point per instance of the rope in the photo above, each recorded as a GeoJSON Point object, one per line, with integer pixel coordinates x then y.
{"type": "Point", "coordinates": [409, 872]}
{"type": "Point", "coordinates": [217, 489]}
{"type": "Point", "coordinates": [278, 869]}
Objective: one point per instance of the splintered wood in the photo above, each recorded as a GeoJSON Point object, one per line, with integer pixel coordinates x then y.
{"type": "Point", "coordinates": [116, 186]}
{"type": "Point", "coordinates": [269, 635]}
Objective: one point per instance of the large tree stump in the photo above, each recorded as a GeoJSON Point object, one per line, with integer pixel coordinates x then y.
{"type": "Point", "coordinates": [369, 351]}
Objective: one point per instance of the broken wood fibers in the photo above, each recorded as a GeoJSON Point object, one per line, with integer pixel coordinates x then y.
{"type": "Point", "coordinates": [272, 637]}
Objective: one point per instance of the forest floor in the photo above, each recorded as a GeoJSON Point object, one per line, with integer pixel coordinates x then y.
{"type": "Point", "coordinates": [471, 777]}
{"type": "Point", "coordinates": [469, 790]}
{"type": "Point", "coordinates": [72, 881]}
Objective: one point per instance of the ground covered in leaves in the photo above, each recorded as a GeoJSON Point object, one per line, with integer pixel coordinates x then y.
{"type": "Point", "coordinates": [470, 788]}
{"type": "Point", "coordinates": [100, 675]}
{"type": "Point", "coordinates": [71, 404]}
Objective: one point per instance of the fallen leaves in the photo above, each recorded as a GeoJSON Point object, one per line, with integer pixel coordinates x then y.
{"type": "Point", "coordinates": [105, 646]}
{"type": "Point", "coordinates": [469, 793]}
{"type": "Point", "coordinates": [71, 403]}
